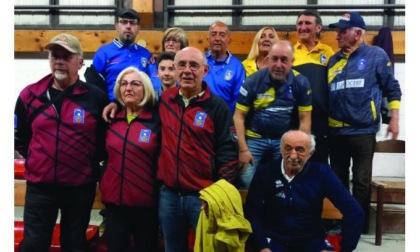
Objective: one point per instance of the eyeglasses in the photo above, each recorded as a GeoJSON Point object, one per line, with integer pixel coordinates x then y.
{"type": "Point", "coordinates": [125, 21]}
{"type": "Point", "coordinates": [174, 40]}
{"type": "Point", "coordinates": [193, 66]}
{"type": "Point", "coordinates": [133, 84]}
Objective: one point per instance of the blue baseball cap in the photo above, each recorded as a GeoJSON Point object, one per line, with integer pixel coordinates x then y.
{"type": "Point", "coordinates": [349, 19]}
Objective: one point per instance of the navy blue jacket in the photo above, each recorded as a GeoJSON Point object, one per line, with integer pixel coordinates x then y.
{"type": "Point", "coordinates": [291, 212]}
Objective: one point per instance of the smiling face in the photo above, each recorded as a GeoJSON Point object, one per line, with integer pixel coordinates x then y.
{"type": "Point", "coordinates": [307, 28]}
{"type": "Point", "coordinates": [266, 40]}
{"type": "Point", "coordinates": [190, 68]}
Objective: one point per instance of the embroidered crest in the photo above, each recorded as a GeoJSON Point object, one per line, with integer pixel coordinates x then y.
{"type": "Point", "coordinates": [200, 118]}
{"type": "Point", "coordinates": [78, 116]}
{"type": "Point", "coordinates": [361, 64]}
{"type": "Point", "coordinates": [228, 75]}
{"type": "Point", "coordinates": [143, 62]}
{"type": "Point", "coordinates": [145, 135]}
{"type": "Point", "coordinates": [323, 59]}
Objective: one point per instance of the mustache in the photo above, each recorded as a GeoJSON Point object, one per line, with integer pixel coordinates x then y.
{"type": "Point", "coordinates": [293, 160]}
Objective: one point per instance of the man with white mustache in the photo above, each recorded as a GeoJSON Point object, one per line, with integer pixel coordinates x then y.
{"type": "Point", "coordinates": [284, 201]}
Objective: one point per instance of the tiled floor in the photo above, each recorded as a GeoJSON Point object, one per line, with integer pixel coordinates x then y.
{"type": "Point", "coordinates": [390, 243]}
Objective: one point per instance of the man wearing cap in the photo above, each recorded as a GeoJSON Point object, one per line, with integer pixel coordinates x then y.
{"type": "Point", "coordinates": [122, 52]}
{"type": "Point", "coordinates": [60, 132]}
{"type": "Point", "coordinates": [358, 76]}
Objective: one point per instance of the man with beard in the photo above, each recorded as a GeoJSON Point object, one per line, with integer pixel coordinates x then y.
{"type": "Point", "coordinates": [284, 201]}
{"type": "Point", "coordinates": [271, 101]}
{"type": "Point", "coordinates": [59, 130]}
{"type": "Point", "coordinates": [122, 52]}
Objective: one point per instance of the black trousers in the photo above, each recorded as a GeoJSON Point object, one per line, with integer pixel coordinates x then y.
{"type": "Point", "coordinates": [359, 150]}
{"type": "Point", "coordinates": [124, 225]}
{"type": "Point", "coordinates": [42, 204]}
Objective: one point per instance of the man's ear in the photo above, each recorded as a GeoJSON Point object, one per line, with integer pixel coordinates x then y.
{"type": "Point", "coordinates": [311, 153]}
{"type": "Point", "coordinates": [81, 61]}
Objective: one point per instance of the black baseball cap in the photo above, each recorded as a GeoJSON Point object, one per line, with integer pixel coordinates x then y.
{"type": "Point", "coordinates": [128, 13]}
{"type": "Point", "coordinates": [349, 19]}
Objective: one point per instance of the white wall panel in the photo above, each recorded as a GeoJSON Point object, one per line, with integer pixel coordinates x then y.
{"type": "Point", "coordinates": [188, 18]}
{"type": "Point", "coordinates": [278, 17]}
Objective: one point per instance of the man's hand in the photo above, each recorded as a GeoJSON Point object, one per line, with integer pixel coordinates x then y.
{"type": "Point", "coordinates": [393, 127]}
{"type": "Point", "coordinates": [205, 207]}
{"type": "Point", "coordinates": [245, 157]}
{"type": "Point", "coordinates": [109, 112]}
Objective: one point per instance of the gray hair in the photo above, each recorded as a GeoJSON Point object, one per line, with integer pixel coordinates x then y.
{"type": "Point", "coordinates": [311, 138]}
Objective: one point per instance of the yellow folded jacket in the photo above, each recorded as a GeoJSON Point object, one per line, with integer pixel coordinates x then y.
{"type": "Point", "coordinates": [224, 228]}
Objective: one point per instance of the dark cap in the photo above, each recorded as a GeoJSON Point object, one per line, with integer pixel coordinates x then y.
{"type": "Point", "coordinates": [128, 13]}
{"type": "Point", "coordinates": [349, 19]}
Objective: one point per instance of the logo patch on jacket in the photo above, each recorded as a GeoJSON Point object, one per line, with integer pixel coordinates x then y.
{"type": "Point", "coordinates": [78, 116]}
{"type": "Point", "coordinates": [16, 121]}
{"type": "Point", "coordinates": [145, 135]}
{"type": "Point", "coordinates": [361, 64]}
{"type": "Point", "coordinates": [143, 62]}
{"type": "Point", "coordinates": [200, 118]}
{"type": "Point", "coordinates": [323, 59]}
{"type": "Point", "coordinates": [228, 75]}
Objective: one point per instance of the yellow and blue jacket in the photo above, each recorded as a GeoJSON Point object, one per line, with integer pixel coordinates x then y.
{"type": "Point", "coordinates": [357, 83]}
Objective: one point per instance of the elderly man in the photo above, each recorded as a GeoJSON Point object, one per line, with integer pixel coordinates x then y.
{"type": "Point", "coordinates": [226, 73]}
{"type": "Point", "coordinates": [271, 101]}
{"type": "Point", "coordinates": [358, 76]}
{"type": "Point", "coordinates": [284, 201]}
{"type": "Point", "coordinates": [311, 59]}
{"type": "Point", "coordinates": [198, 147]}
{"type": "Point", "coordinates": [59, 130]}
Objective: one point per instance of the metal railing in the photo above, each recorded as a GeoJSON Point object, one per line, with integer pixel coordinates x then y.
{"type": "Point", "coordinates": [170, 10]}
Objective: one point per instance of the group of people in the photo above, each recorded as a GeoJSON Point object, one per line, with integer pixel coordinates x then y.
{"type": "Point", "coordinates": [155, 132]}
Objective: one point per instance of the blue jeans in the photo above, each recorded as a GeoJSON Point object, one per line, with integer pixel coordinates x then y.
{"type": "Point", "coordinates": [178, 213]}
{"type": "Point", "coordinates": [259, 148]}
